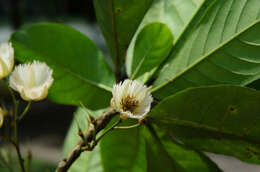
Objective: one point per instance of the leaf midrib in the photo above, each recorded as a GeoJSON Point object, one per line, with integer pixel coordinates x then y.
{"type": "Point", "coordinates": [185, 26]}
{"type": "Point", "coordinates": [114, 31]}
{"type": "Point", "coordinates": [100, 86]}
{"type": "Point", "coordinates": [196, 125]}
{"type": "Point", "coordinates": [204, 57]}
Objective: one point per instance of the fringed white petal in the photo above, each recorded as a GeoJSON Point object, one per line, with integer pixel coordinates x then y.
{"type": "Point", "coordinates": [6, 59]}
{"type": "Point", "coordinates": [32, 80]}
{"type": "Point", "coordinates": [131, 98]}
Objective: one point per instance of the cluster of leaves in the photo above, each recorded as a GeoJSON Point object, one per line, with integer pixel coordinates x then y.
{"type": "Point", "coordinates": [197, 55]}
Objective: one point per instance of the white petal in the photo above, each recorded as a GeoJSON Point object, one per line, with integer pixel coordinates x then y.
{"type": "Point", "coordinates": [32, 80]}
{"type": "Point", "coordinates": [131, 92]}
{"type": "Point", "coordinates": [6, 59]}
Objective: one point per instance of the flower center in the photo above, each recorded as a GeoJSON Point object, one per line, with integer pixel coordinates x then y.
{"type": "Point", "coordinates": [129, 103]}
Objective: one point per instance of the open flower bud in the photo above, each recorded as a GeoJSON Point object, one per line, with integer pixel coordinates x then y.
{"type": "Point", "coordinates": [6, 59]}
{"type": "Point", "coordinates": [131, 99]}
{"type": "Point", "coordinates": [31, 80]}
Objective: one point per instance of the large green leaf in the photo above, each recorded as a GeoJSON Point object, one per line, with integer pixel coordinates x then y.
{"type": "Point", "coordinates": [176, 14]}
{"type": "Point", "coordinates": [219, 119]}
{"type": "Point", "coordinates": [189, 159]}
{"type": "Point", "coordinates": [88, 161]}
{"type": "Point", "coordinates": [123, 151]}
{"type": "Point", "coordinates": [118, 21]}
{"type": "Point", "coordinates": [152, 46]}
{"type": "Point", "coordinates": [80, 71]}
{"type": "Point", "coordinates": [223, 47]}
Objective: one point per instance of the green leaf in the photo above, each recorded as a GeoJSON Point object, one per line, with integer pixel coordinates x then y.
{"type": "Point", "coordinates": [157, 157]}
{"type": "Point", "coordinates": [123, 151]}
{"type": "Point", "coordinates": [80, 71]}
{"type": "Point", "coordinates": [190, 160]}
{"type": "Point", "coordinates": [118, 21]}
{"type": "Point", "coordinates": [222, 48]}
{"type": "Point", "coordinates": [150, 51]}
{"type": "Point", "coordinates": [219, 119]}
{"type": "Point", "coordinates": [176, 14]}
{"type": "Point", "coordinates": [88, 161]}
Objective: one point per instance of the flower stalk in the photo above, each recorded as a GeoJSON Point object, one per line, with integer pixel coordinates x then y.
{"type": "Point", "coordinates": [15, 142]}
{"type": "Point", "coordinates": [25, 110]}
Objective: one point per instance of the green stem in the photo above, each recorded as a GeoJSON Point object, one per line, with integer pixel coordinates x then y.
{"type": "Point", "coordinates": [105, 132]}
{"type": "Point", "coordinates": [25, 111]}
{"type": "Point", "coordinates": [12, 95]}
{"type": "Point", "coordinates": [128, 127]}
{"type": "Point", "coordinates": [15, 114]}
{"type": "Point", "coordinates": [16, 138]}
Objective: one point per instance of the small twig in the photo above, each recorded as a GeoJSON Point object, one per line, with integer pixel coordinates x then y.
{"type": "Point", "coordinates": [18, 151]}
{"type": "Point", "coordinates": [98, 124]}
{"type": "Point", "coordinates": [29, 161]}
{"type": "Point", "coordinates": [25, 111]}
{"type": "Point", "coordinates": [20, 158]}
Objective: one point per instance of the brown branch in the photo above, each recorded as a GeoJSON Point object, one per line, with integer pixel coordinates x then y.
{"type": "Point", "coordinates": [89, 136]}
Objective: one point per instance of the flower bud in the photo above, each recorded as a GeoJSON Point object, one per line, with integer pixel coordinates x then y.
{"type": "Point", "coordinates": [2, 116]}
{"type": "Point", "coordinates": [32, 80]}
{"type": "Point", "coordinates": [6, 59]}
{"type": "Point", "coordinates": [131, 99]}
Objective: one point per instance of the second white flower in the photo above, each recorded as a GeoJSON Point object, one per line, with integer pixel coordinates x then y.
{"type": "Point", "coordinates": [6, 59]}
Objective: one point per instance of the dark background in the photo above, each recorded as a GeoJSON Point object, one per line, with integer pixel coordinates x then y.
{"type": "Point", "coordinates": [18, 12]}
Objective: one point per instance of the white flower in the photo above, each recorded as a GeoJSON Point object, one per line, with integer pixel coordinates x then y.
{"type": "Point", "coordinates": [131, 99]}
{"type": "Point", "coordinates": [31, 80]}
{"type": "Point", "coordinates": [2, 116]}
{"type": "Point", "coordinates": [6, 59]}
